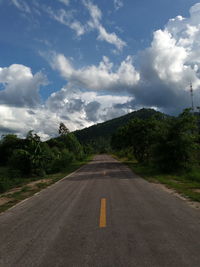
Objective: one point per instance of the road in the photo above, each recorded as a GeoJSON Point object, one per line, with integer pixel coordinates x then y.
{"type": "Point", "coordinates": [102, 215]}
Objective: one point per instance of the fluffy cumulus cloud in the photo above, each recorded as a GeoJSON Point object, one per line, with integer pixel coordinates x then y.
{"type": "Point", "coordinates": [171, 63]}
{"type": "Point", "coordinates": [101, 77]}
{"type": "Point", "coordinates": [83, 108]}
{"type": "Point", "coordinates": [20, 86]}
{"type": "Point", "coordinates": [20, 120]}
{"type": "Point", "coordinates": [21, 109]}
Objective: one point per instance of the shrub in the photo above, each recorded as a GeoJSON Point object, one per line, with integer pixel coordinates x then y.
{"type": "Point", "coordinates": [20, 160]}
{"type": "Point", "coordinates": [62, 161]}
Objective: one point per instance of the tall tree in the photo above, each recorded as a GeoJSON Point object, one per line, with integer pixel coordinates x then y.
{"type": "Point", "coordinates": [63, 129]}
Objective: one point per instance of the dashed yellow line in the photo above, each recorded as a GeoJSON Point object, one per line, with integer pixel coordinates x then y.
{"type": "Point", "coordinates": [102, 221]}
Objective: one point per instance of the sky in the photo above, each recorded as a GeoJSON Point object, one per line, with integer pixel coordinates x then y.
{"type": "Point", "coordinates": [82, 62]}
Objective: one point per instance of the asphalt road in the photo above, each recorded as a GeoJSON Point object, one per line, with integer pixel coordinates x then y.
{"type": "Point", "coordinates": [103, 215]}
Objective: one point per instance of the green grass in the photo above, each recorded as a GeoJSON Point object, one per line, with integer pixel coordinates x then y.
{"type": "Point", "coordinates": [26, 191]}
{"type": "Point", "coordinates": [183, 183]}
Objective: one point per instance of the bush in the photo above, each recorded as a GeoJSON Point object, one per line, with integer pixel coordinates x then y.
{"type": "Point", "coordinates": [4, 185]}
{"type": "Point", "coordinates": [20, 160]}
{"type": "Point", "coordinates": [62, 161]}
{"type": "Point", "coordinates": [176, 148]}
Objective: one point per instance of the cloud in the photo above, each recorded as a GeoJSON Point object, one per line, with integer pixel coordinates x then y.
{"type": "Point", "coordinates": [118, 4]}
{"type": "Point", "coordinates": [169, 65]}
{"type": "Point", "coordinates": [67, 18]}
{"type": "Point", "coordinates": [76, 108]}
{"type": "Point", "coordinates": [85, 107]}
{"type": "Point", "coordinates": [21, 5]}
{"type": "Point", "coordinates": [94, 23]}
{"type": "Point", "coordinates": [20, 86]}
{"type": "Point", "coordinates": [111, 38]}
{"type": "Point", "coordinates": [65, 2]}
{"type": "Point", "coordinates": [19, 120]}
{"type": "Point", "coordinates": [101, 77]}
{"type": "Point", "coordinates": [91, 110]}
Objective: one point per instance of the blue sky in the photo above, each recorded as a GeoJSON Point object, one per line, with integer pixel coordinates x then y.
{"type": "Point", "coordinates": [86, 61]}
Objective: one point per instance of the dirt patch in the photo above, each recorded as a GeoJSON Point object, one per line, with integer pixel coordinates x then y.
{"type": "Point", "coordinates": [12, 191]}
{"type": "Point", "coordinates": [4, 200]}
{"type": "Point", "coordinates": [196, 190]}
{"type": "Point", "coordinates": [32, 185]}
{"type": "Point", "coordinates": [8, 196]}
{"type": "Point", "coordinates": [42, 181]}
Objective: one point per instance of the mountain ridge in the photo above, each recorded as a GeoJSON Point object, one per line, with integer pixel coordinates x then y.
{"type": "Point", "coordinates": [105, 129]}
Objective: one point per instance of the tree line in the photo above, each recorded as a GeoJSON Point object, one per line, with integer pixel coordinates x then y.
{"type": "Point", "coordinates": [168, 143]}
{"type": "Point", "coordinates": [32, 157]}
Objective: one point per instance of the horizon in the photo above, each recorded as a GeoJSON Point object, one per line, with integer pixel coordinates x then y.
{"type": "Point", "coordinates": [93, 125]}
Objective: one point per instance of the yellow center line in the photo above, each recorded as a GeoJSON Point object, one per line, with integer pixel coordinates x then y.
{"type": "Point", "coordinates": [102, 221]}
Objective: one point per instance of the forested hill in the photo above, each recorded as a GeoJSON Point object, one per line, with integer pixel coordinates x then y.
{"type": "Point", "coordinates": [106, 129]}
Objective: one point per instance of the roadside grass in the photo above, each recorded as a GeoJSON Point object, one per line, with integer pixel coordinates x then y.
{"type": "Point", "coordinates": [28, 187]}
{"type": "Point", "coordinates": [186, 184]}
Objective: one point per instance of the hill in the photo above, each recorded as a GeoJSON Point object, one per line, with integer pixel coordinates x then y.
{"type": "Point", "coordinates": [106, 129]}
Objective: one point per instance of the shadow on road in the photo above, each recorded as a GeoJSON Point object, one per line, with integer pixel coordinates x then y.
{"type": "Point", "coordinates": [97, 170]}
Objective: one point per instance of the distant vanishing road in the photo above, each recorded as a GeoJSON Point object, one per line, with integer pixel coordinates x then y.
{"type": "Point", "coordinates": [102, 215]}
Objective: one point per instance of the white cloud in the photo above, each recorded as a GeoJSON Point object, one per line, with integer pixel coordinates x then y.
{"type": "Point", "coordinates": [118, 4]}
{"type": "Point", "coordinates": [66, 18]}
{"type": "Point", "coordinates": [65, 2]}
{"type": "Point", "coordinates": [20, 86]}
{"type": "Point", "coordinates": [88, 106]}
{"type": "Point", "coordinates": [174, 53]}
{"type": "Point", "coordinates": [167, 57]}
{"type": "Point", "coordinates": [77, 109]}
{"type": "Point", "coordinates": [21, 5]}
{"type": "Point", "coordinates": [111, 38]}
{"type": "Point", "coordinates": [170, 64]}
{"type": "Point", "coordinates": [94, 23]}
{"type": "Point", "coordinates": [21, 109]}
{"type": "Point", "coordinates": [100, 77]}
{"type": "Point", "coordinates": [20, 120]}
{"type": "Point", "coordinates": [77, 27]}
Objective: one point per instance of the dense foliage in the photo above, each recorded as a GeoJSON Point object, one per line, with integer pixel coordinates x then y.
{"type": "Point", "coordinates": [32, 157]}
{"type": "Point", "coordinates": [170, 143]}
{"type": "Point", "coordinates": [98, 137]}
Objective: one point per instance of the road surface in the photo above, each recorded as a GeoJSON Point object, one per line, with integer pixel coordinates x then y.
{"type": "Point", "coordinates": [102, 215]}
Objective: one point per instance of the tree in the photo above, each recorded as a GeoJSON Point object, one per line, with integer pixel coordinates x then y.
{"type": "Point", "coordinates": [8, 143]}
{"type": "Point", "coordinates": [139, 136]}
{"type": "Point", "coordinates": [177, 146]}
{"type": "Point", "coordinates": [34, 148]}
{"type": "Point", "coordinates": [63, 130]}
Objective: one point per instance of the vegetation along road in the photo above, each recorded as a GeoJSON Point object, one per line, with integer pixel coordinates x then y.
{"type": "Point", "coordinates": [102, 215]}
